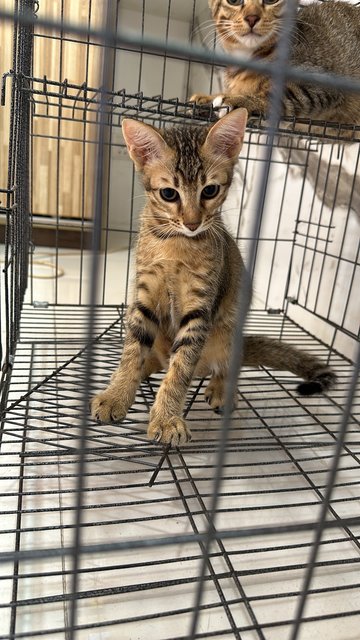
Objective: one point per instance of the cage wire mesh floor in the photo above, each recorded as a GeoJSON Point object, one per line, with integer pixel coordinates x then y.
{"type": "Point", "coordinates": [278, 456]}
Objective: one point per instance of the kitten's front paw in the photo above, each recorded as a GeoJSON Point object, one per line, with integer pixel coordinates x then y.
{"type": "Point", "coordinates": [173, 431]}
{"type": "Point", "coordinates": [108, 407]}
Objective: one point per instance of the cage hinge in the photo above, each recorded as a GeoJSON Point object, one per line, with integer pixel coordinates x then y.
{"type": "Point", "coordinates": [292, 299]}
{"type": "Point", "coordinates": [274, 312]}
{"type": "Point", "coordinates": [4, 77]}
{"type": "Point", "coordinates": [8, 364]}
{"type": "Point", "coordinates": [40, 304]}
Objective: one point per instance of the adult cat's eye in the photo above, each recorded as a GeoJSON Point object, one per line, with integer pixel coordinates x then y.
{"type": "Point", "coordinates": [210, 191]}
{"type": "Point", "coordinates": [235, 3]}
{"type": "Point", "coordinates": [170, 195]}
{"type": "Point", "coordinates": [270, 1]}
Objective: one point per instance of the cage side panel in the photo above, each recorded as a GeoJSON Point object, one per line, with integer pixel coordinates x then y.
{"type": "Point", "coordinates": [17, 234]}
{"type": "Point", "coordinates": [324, 269]}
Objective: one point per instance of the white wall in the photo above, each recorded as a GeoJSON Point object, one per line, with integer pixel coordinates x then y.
{"type": "Point", "coordinates": [153, 75]}
{"type": "Point", "coordinates": [315, 185]}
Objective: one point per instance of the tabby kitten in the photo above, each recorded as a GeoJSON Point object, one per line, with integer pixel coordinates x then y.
{"type": "Point", "coordinates": [326, 38]}
{"type": "Point", "coordinates": [188, 273]}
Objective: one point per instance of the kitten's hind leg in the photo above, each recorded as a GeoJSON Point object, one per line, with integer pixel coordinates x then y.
{"type": "Point", "coordinates": [158, 358]}
{"type": "Point", "coordinates": [215, 394]}
{"type": "Point", "coordinates": [151, 365]}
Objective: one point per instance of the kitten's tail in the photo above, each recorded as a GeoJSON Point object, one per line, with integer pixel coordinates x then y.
{"type": "Point", "coordinates": [262, 351]}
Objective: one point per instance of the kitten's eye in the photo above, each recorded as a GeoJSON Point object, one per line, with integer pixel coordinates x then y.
{"type": "Point", "coordinates": [210, 191]}
{"type": "Point", "coordinates": [270, 1]}
{"type": "Point", "coordinates": [235, 3]}
{"type": "Point", "coordinates": [170, 195]}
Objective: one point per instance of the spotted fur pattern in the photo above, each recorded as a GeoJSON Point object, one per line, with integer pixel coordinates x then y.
{"type": "Point", "coordinates": [188, 273]}
{"type": "Point", "coordinates": [326, 38]}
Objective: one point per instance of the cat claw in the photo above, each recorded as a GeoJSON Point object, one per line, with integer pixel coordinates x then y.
{"type": "Point", "coordinates": [219, 411]}
{"type": "Point", "coordinates": [172, 431]}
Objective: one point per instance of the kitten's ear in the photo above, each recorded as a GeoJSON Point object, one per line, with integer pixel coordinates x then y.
{"type": "Point", "coordinates": [226, 137]}
{"type": "Point", "coordinates": [144, 143]}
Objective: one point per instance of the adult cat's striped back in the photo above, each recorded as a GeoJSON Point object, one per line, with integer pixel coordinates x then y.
{"type": "Point", "coordinates": [326, 38]}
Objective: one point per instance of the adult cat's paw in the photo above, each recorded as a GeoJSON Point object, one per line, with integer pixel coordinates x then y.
{"type": "Point", "coordinates": [108, 406]}
{"type": "Point", "coordinates": [221, 104]}
{"type": "Point", "coordinates": [173, 431]}
{"type": "Point", "coordinates": [201, 98]}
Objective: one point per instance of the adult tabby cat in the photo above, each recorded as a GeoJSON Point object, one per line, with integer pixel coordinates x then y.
{"type": "Point", "coordinates": [188, 273]}
{"type": "Point", "coordinates": [326, 38]}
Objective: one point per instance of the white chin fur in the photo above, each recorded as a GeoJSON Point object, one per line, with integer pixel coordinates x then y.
{"type": "Point", "coordinates": [191, 234]}
{"type": "Point", "coordinates": [251, 42]}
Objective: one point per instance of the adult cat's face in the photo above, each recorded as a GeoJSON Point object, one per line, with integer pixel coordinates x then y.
{"type": "Point", "coordinates": [246, 25]}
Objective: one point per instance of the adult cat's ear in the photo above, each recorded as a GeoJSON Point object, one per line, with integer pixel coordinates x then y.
{"type": "Point", "coordinates": [144, 143]}
{"type": "Point", "coordinates": [225, 138]}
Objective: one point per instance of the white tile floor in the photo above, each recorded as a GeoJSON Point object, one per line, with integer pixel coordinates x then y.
{"type": "Point", "coordinates": [64, 276]}
{"type": "Point", "coordinates": [279, 453]}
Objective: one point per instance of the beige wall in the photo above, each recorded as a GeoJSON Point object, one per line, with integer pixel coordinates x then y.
{"type": "Point", "coordinates": [58, 192]}
{"type": "Point", "coordinates": [68, 192]}
{"type": "Point", "coordinates": [6, 32]}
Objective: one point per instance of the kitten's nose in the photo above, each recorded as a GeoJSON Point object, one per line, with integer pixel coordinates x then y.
{"type": "Point", "coordinates": [192, 225]}
{"type": "Point", "coordinates": [252, 20]}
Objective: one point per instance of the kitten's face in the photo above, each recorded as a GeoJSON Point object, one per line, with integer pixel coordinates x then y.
{"type": "Point", "coordinates": [246, 25]}
{"type": "Point", "coordinates": [187, 185]}
{"type": "Point", "coordinates": [186, 171]}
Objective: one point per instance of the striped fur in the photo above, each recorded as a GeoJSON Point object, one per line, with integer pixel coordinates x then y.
{"type": "Point", "coordinates": [326, 38]}
{"type": "Point", "coordinates": [187, 280]}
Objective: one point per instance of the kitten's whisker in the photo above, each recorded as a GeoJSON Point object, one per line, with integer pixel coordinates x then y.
{"type": "Point", "coordinates": [209, 39]}
{"type": "Point", "coordinates": [203, 25]}
{"type": "Point", "coordinates": [200, 29]}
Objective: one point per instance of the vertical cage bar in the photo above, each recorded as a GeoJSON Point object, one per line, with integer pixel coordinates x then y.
{"type": "Point", "coordinates": [278, 77]}
{"type": "Point", "coordinates": [88, 365]}
{"type": "Point", "coordinates": [17, 233]}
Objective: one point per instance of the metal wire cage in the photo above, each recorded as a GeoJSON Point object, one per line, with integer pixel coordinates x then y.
{"type": "Point", "coordinates": [251, 530]}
